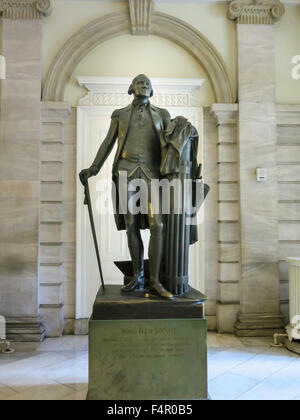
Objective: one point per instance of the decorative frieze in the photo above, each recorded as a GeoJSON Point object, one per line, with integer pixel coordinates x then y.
{"type": "Point", "coordinates": [25, 9]}
{"type": "Point", "coordinates": [107, 99]}
{"type": "Point", "coordinates": [140, 16]}
{"type": "Point", "coordinates": [256, 12]}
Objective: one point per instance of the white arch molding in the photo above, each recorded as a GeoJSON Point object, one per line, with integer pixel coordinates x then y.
{"type": "Point", "coordinates": [118, 24]}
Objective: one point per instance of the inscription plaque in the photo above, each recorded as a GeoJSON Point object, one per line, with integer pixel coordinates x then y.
{"type": "Point", "coordinates": [148, 359]}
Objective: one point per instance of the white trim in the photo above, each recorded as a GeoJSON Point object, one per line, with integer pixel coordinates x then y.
{"type": "Point", "coordinates": [121, 84]}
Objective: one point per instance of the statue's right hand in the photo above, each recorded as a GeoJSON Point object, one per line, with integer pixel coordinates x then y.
{"type": "Point", "coordinates": [85, 174]}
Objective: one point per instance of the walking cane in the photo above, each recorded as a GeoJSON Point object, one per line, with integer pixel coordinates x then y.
{"type": "Point", "coordinates": [87, 201]}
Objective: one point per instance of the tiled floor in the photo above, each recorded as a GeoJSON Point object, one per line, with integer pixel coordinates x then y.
{"type": "Point", "coordinates": [238, 369]}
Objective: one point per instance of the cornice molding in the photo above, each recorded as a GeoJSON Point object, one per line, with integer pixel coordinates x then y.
{"type": "Point", "coordinates": [107, 91]}
{"type": "Point", "coordinates": [140, 16]}
{"type": "Point", "coordinates": [25, 9]}
{"type": "Point", "coordinates": [256, 12]}
{"type": "Point", "coordinates": [224, 113]}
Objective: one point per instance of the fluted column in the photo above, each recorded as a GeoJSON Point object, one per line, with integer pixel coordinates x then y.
{"type": "Point", "coordinates": [19, 167]}
{"type": "Point", "coordinates": [260, 297]}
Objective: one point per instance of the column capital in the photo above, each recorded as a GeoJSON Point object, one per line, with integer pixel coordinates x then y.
{"type": "Point", "coordinates": [25, 9]}
{"type": "Point", "coordinates": [140, 16]}
{"type": "Point", "coordinates": [224, 113]}
{"type": "Point", "coordinates": [256, 12]}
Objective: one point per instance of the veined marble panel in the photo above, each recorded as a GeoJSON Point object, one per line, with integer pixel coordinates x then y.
{"type": "Point", "coordinates": [53, 319]}
{"type": "Point", "coordinates": [51, 152]}
{"type": "Point", "coordinates": [50, 254]}
{"type": "Point", "coordinates": [227, 133]}
{"type": "Point", "coordinates": [69, 159]}
{"type": "Point", "coordinates": [289, 172]}
{"type": "Point", "coordinates": [230, 272]}
{"type": "Point", "coordinates": [50, 232]}
{"type": "Point", "coordinates": [70, 128]}
{"type": "Point", "coordinates": [18, 89]}
{"type": "Point", "coordinates": [229, 232]}
{"type": "Point", "coordinates": [256, 57]}
{"type": "Point", "coordinates": [289, 249]}
{"type": "Point", "coordinates": [289, 231]}
{"type": "Point", "coordinates": [51, 191]}
{"type": "Point", "coordinates": [258, 283]}
{"type": "Point", "coordinates": [51, 212]}
{"type": "Point", "coordinates": [19, 220]}
{"type": "Point", "coordinates": [51, 274]}
{"type": "Point", "coordinates": [51, 171]}
{"type": "Point", "coordinates": [227, 153]}
{"type": "Point", "coordinates": [69, 293]}
{"type": "Point", "coordinates": [229, 192]}
{"type": "Point", "coordinates": [69, 192]}
{"type": "Point", "coordinates": [23, 289]}
{"type": "Point", "coordinates": [226, 317]}
{"type": "Point", "coordinates": [19, 190]}
{"type": "Point", "coordinates": [210, 307]}
{"type": "Point", "coordinates": [69, 232]}
{"type": "Point", "coordinates": [27, 69]}
{"type": "Point", "coordinates": [286, 154]}
{"type": "Point", "coordinates": [284, 270]}
{"type": "Point", "coordinates": [229, 252]}
{"type": "Point", "coordinates": [288, 191]}
{"type": "Point", "coordinates": [68, 211]}
{"type": "Point", "coordinates": [228, 172]}
{"type": "Point", "coordinates": [51, 294]}
{"type": "Point", "coordinates": [289, 211]}
{"type": "Point", "coordinates": [22, 39]}
{"type": "Point", "coordinates": [25, 109]}
{"type": "Point", "coordinates": [70, 311]}
{"type": "Point", "coordinates": [52, 132]}
{"type": "Point", "coordinates": [25, 158]}
{"type": "Point", "coordinates": [69, 252]}
{"type": "Point", "coordinates": [229, 292]}
{"type": "Point", "coordinates": [229, 211]}
{"type": "Point", "coordinates": [69, 272]}
{"type": "Point", "coordinates": [288, 134]}
{"type": "Point", "coordinates": [27, 131]}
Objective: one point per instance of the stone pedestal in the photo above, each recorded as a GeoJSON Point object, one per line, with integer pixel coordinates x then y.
{"type": "Point", "coordinates": [144, 349]}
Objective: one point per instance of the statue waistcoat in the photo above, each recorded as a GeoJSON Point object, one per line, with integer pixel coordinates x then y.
{"type": "Point", "coordinates": [142, 144]}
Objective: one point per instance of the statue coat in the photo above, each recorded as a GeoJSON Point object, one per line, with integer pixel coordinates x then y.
{"type": "Point", "coordinates": [118, 130]}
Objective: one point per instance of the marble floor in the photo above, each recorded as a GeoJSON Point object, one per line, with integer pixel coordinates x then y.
{"type": "Point", "coordinates": [239, 369]}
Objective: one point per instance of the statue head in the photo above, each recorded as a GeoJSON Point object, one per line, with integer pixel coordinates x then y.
{"type": "Point", "coordinates": [141, 86]}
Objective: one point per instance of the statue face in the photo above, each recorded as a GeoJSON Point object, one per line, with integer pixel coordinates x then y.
{"type": "Point", "coordinates": [142, 87]}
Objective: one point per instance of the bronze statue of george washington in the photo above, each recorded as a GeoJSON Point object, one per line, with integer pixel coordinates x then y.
{"type": "Point", "coordinates": [139, 129]}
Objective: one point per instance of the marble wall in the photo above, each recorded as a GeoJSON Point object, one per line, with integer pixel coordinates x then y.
{"type": "Point", "coordinates": [19, 177]}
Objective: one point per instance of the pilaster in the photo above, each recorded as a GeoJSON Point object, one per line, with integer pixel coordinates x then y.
{"type": "Point", "coordinates": [19, 167]}
{"type": "Point", "coordinates": [229, 272]}
{"type": "Point", "coordinates": [259, 216]}
{"type": "Point", "coordinates": [53, 115]}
